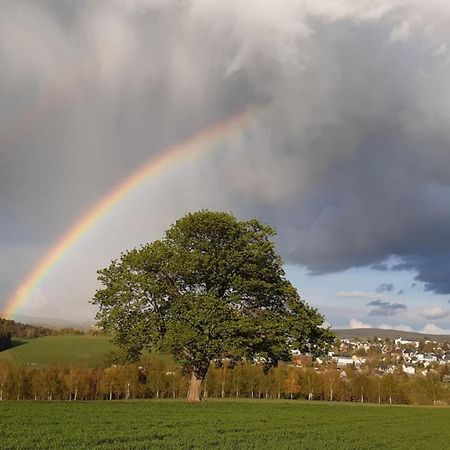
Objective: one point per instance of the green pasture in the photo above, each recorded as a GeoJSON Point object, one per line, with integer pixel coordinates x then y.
{"type": "Point", "coordinates": [89, 351]}
{"type": "Point", "coordinates": [226, 424]}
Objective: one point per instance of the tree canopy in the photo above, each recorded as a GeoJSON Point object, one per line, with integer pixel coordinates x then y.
{"type": "Point", "coordinates": [212, 288]}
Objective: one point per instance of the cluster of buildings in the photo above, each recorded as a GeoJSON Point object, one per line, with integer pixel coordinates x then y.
{"type": "Point", "coordinates": [389, 356]}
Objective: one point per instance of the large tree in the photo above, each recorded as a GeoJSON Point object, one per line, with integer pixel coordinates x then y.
{"type": "Point", "coordinates": [212, 288]}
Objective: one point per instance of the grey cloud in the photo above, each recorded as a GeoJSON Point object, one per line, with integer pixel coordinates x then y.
{"type": "Point", "coordinates": [386, 308]}
{"type": "Point", "coordinates": [349, 159]}
{"type": "Point", "coordinates": [433, 270]}
{"type": "Point", "coordinates": [382, 267]}
{"type": "Point", "coordinates": [385, 287]}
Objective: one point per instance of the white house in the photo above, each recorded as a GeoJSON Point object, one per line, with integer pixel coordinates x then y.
{"type": "Point", "coordinates": [342, 361]}
{"type": "Point", "coordinates": [401, 341]}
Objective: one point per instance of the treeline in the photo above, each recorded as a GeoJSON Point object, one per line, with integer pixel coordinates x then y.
{"type": "Point", "coordinates": [159, 379]}
{"type": "Point", "coordinates": [23, 330]}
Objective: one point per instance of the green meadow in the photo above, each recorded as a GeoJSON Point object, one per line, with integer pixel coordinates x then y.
{"type": "Point", "coordinates": [227, 424]}
{"type": "Point", "coordinates": [89, 351]}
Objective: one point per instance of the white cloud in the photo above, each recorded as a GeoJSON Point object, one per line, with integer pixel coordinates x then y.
{"type": "Point", "coordinates": [431, 328]}
{"type": "Point", "coordinates": [435, 312]}
{"type": "Point", "coordinates": [401, 32]}
{"type": "Point", "coordinates": [360, 294]}
{"type": "Point", "coordinates": [355, 323]}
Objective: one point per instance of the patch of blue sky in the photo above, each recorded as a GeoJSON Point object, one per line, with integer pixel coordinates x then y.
{"type": "Point", "coordinates": [345, 295]}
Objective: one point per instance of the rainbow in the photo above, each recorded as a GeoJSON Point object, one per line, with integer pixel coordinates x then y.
{"type": "Point", "coordinates": [188, 148]}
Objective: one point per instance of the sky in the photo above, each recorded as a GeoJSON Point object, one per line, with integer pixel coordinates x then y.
{"type": "Point", "coordinates": [347, 154]}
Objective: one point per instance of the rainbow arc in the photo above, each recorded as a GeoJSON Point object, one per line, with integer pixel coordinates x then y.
{"type": "Point", "coordinates": [195, 145]}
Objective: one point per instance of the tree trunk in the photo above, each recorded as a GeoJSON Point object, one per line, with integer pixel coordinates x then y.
{"type": "Point", "coordinates": [195, 388]}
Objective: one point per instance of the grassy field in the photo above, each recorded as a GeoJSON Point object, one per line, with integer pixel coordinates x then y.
{"type": "Point", "coordinates": [89, 351]}
{"type": "Point", "coordinates": [221, 424]}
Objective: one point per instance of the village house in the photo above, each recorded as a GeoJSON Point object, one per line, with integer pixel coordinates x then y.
{"type": "Point", "coordinates": [410, 370]}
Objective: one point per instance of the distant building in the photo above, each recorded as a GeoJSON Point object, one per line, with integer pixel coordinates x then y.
{"type": "Point", "coordinates": [342, 360]}
{"type": "Point", "coordinates": [401, 341]}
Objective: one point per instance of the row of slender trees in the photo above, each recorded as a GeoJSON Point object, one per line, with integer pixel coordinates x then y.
{"type": "Point", "coordinates": [159, 379]}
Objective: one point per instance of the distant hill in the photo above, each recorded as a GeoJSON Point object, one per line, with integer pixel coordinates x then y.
{"type": "Point", "coordinates": [54, 322]}
{"type": "Point", "coordinates": [370, 333]}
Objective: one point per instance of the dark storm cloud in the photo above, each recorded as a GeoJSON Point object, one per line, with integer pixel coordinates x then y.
{"type": "Point", "coordinates": [433, 270]}
{"type": "Point", "coordinates": [349, 159]}
{"type": "Point", "coordinates": [384, 308]}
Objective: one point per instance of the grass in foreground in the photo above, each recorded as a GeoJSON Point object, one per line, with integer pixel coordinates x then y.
{"type": "Point", "coordinates": [220, 424]}
{"type": "Point", "coordinates": [63, 350]}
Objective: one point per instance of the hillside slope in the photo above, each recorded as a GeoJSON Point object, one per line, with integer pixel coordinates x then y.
{"type": "Point", "coordinates": [370, 333]}
{"type": "Point", "coordinates": [64, 350]}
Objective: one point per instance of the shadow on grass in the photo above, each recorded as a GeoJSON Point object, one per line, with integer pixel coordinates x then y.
{"type": "Point", "coordinates": [18, 342]}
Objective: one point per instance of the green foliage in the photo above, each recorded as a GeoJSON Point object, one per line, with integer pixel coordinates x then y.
{"type": "Point", "coordinates": [157, 375]}
{"type": "Point", "coordinates": [18, 329]}
{"type": "Point", "coordinates": [212, 287]}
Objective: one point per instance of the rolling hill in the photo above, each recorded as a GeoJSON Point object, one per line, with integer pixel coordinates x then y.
{"type": "Point", "coordinates": [370, 333]}
{"type": "Point", "coordinates": [64, 350]}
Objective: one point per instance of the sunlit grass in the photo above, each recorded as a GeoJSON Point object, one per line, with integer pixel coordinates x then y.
{"type": "Point", "coordinates": [88, 351]}
{"type": "Point", "coordinates": [221, 424]}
